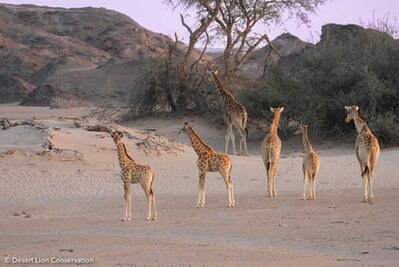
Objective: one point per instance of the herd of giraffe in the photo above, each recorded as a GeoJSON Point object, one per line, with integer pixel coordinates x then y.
{"type": "Point", "coordinates": [367, 152]}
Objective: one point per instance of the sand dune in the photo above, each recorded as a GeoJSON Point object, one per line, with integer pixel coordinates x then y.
{"type": "Point", "coordinates": [75, 203]}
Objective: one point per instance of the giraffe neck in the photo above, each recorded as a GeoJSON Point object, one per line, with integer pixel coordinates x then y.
{"type": "Point", "coordinates": [198, 145]}
{"type": "Point", "coordinates": [227, 96]}
{"type": "Point", "coordinates": [274, 126]}
{"type": "Point", "coordinates": [305, 139]}
{"type": "Point", "coordinates": [122, 153]}
{"type": "Point", "coordinates": [360, 124]}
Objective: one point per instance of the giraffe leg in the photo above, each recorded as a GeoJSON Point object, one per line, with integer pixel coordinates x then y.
{"type": "Point", "coordinates": [233, 142]}
{"type": "Point", "coordinates": [155, 214]}
{"type": "Point", "coordinates": [310, 187]}
{"type": "Point", "coordinates": [269, 181]}
{"type": "Point", "coordinates": [201, 194]}
{"type": "Point", "coordinates": [365, 194]}
{"type": "Point", "coordinates": [148, 192]}
{"type": "Point", "coordinates": [149, 198]}
{"type": "Point", "coordinates": [203, 198]}
{"type": "Point", "coordinates": [373, 165]}
{"type": "Point", "coordinates": [227, 139]}
{"type": "Point", "coordinates": [370, 185]}
{"type": "Point", "coordinates": [305, 183]}
{"type": "Point", "coordinates": [274, 169]}
{"type": "Point", "coordinates": [371, 175]}
{"type": "Point", "coordinates": [130, 204]}
{"type": "Point", "coordinates": [272, 180]}
{"type": "Point", "coordinates": [243, 142]}
{"type": "Point", "coordinates": [128, 201]}
{"type": "Point", "coordinates": [314, 187]}
{"type": "Point", "coordinates": [233, 200]}
{"type": "Point", "coordinates": [267, 167]}
{"type": "Point", "coordinates": [228, 135]}
{"type": "Point", "coordinates": [226, 177]}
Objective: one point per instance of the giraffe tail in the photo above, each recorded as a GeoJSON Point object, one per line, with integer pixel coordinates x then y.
{"type": "Point", "coordinates": [244, 124]}
{"type": "Point", "coordinates": [366, 171]}
{"type": "Point", "coordinates": [313, 175]}
{"type": "Point", "coordinates": [268, 166]}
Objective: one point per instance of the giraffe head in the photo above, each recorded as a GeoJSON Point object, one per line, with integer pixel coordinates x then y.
{"type": "Point", "coordinates": [186, 127]}
{"type": "Point", "coordinates": [212, 72]}
{"type": "Point", "coordinates": [277, 110]}
{"type": "Point", "coordinates": [116, 135]}
{"type": "Point", "coordinates": [351, 112]}
{"type": "Point", "coordinates": [302, 127]}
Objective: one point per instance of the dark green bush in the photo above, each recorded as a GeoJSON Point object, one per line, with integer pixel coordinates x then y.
{"type": "Point", "coordinates": [315, 84]}
{"type": "Point", "coordinates": [163, 90]}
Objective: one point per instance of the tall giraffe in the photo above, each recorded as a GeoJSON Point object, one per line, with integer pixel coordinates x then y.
{"type": "Point", "coordinates": [271, 149]}
{"type": "Point", "coordinates": [367, 151]}
{"type": "Point", "coordinates": [134, 173]}
{"type": "Point", "coordinates": [210, 160]}
{"type": "Point", "coordinates": [310, 164]}
{"type": "Point", "coordinates": [235, 115]}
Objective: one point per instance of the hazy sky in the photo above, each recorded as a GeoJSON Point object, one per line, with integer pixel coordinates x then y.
{"type": "Point", "coordinates": [156, 16]}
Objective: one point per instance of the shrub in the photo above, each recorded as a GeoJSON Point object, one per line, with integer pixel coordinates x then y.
{"type": "Point", "coordinates": [315, 84]}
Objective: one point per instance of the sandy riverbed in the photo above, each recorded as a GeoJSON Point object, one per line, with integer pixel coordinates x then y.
{"type": "Point", "coordinates": [75, 203]}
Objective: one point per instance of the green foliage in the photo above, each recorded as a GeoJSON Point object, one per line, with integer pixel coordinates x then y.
{"type": "Point", "coordinates": [315, 84]}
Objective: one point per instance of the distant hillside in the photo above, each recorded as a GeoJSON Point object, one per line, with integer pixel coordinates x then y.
{"type": "Point", "coordinates": [286, 44]}
{"type": "Point", "coordinates": [72, 56]}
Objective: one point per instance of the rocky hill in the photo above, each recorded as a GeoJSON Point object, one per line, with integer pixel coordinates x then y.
{"type": "Point", "coordinates": [84, 56]}
{"type": "Point", "coordinates": [66, 57]}
{"type": "Point", "coordinates": [286, 44]}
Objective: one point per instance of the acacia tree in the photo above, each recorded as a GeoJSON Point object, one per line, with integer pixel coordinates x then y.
{"type": "Point", "coordinates": [204, 21]}
{"type": "Point", "coordinates": [236, 20]}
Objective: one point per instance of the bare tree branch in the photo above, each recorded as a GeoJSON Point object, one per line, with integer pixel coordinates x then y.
{"type": "Point", "coordinates": [203, 51]}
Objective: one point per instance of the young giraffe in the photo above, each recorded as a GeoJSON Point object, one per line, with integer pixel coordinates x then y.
{"type": "Point", "coordinates": [310, 164]}
{"type": "Point", "coordinates": [367, 151]}
{"type": "Point", "coordinates": [271, 148]}
{"type": "Point", "coordinates": [209, 160]}
{"type": "Point", "coordinates": [235, 115]}
{"type": "Point", "coordinates": [134, 173]}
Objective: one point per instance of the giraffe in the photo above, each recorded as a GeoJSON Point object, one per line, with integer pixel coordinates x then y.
{"type": "Point", "coordinates": [235, 114]}
{"type": "Point", "coordinates": [134, 173]}
{"type": "Point", "coordinates": [210, 160]}
{"type": "Point", "coordinates": [310, 164]}
{"type": "Point", "coordinates": [271, 148]}
{"type": "Point", "coordinates": [367, 151]}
